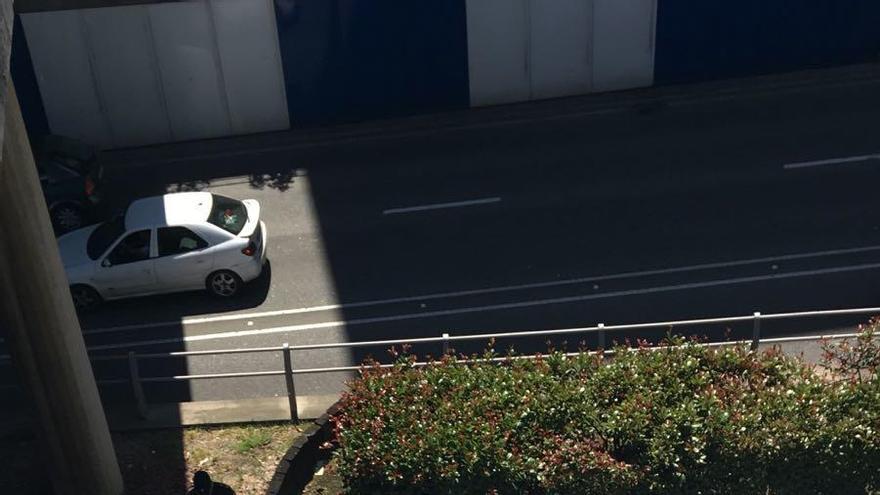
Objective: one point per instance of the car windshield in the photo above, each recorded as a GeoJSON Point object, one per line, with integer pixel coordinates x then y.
{"type": "Point", "coordinates": [228, 214]}
{"type": "Point", "coordinates": [103, 237]}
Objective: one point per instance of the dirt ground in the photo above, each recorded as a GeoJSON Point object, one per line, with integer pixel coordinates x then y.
{"type": "Point", "coordinates": [163, 461]}
{"type": "Point", "coordinates": [326, 482]}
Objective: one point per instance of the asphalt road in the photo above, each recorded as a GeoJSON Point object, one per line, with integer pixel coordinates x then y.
{"type": "Point", "coordinates": [683, 211]}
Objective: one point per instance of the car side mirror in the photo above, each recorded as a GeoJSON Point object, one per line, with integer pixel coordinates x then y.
{"type": "Point", "coordinates": [106, 263]}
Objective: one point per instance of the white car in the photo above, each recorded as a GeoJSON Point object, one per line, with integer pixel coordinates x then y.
{"type": "Point", "coordinates": [176, 242]}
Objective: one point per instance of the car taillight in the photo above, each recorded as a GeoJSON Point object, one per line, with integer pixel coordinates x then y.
{"type": "Point", "coordinates": [90, 186]}
{"type": "Point", "coordinates": [250, 250]}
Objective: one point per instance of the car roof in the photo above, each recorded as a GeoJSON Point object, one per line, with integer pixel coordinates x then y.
{"type": "Point", "coordinates": [170, 209]}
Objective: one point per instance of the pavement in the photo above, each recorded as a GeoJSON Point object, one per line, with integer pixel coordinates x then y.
{"type": "Point", "coordinates": [671, 203]}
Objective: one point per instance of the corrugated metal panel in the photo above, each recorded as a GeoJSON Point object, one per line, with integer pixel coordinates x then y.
{"type": "Point", "coordinates": [358, 59]}
{"type": "Point", "coordinates": [726, 38]}
{"type": "Point", "coordinates": [61, 63]}
{"type": "Point", "coordinates": [623, 38]}
{"type": "Point", "coordinates": [498, 51]}
{"type": "Point", "coordinates": [561, 49]}
{"type": "Point", "coordinates": [248, 46]}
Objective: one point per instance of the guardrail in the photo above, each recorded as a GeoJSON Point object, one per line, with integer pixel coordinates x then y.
{"type": "Point", "coordinates": [289, 371]}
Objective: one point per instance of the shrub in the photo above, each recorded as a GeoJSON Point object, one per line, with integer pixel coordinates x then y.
{"type": "Point", "coordinates": [679, 419]}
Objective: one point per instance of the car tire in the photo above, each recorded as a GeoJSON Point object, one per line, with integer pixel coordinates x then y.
{"type": "Point", "coordinates": [85, 298]}
{"type": "Point", "coordinates": [67, 217]}
{"type": "Point", "coordinates": [224, 284]}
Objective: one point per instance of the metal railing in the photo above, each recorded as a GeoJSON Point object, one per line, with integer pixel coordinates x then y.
{"type": "Point", "coordinates": [288, 370]}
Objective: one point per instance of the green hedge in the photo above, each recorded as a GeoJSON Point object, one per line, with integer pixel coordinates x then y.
{"type": "Point", "coordinates": [684, 419]}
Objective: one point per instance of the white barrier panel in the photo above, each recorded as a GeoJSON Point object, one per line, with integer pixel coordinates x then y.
{"type": "Point", "coordinates": [624, 44]}
{"type": "Point", "coordinates": [135, 75]}
{"type": "Point", "coordinates": [247, 39]}
{"type": "Point", "coordinates": [190, 70]}
{"type": "Point", "coordinates": [62, 66]}
{"type": "Point", "coordinates": [520, 50]}
{"type": "Point", "coordinates": [561, 47]}
{"type": "Point", "coordinates": [497, 51]}
{"type": "Point", "coordinates": [124, 65]}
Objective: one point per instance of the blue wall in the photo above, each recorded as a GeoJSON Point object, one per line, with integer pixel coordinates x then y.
{"type": "Point", "coordinates": [709, 39]}
{"type": "Point", "coordinates": [347, 60]}
{"type": "Point", "coordinates": [22, 69]}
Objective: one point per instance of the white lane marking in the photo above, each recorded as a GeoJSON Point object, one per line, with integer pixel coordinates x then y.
{"type": "Point", "coordinates": [831, 161]}
{"type": "Point", "coordinates": [489, 290]}
{"type": "Point", "coordinates": [439, 206]}
{"type": "Point", "coordinates": [492, 307]}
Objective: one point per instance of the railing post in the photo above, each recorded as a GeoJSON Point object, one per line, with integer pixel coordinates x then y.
{"type": "Point", "coordinates": [288, 381]}
{"type": "Point", "coordinates": [601, 335]}
{"type": "Point", "coordinates": [136, 387]}
{"type": "Point", "coordinates": [756, 331]}
{"type": "Point", "coordinates": [445, 344]}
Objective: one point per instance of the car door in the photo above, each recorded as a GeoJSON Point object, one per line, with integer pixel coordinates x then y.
{"type": "Point", "coordinates": [184, 259]}
{"type": "Point", "coordinates": [127, 269]}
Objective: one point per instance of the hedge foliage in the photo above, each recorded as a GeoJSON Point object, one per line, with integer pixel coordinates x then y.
{"type": "Point", "coordinates": [683, 419]}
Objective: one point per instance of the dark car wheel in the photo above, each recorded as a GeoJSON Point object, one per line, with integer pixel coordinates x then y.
{"type": "Point", "coordinates": [85, 298]}
{"type": "Point", "coordinates": [224, 283]}
{"type": "Point", "coordinates": [67, 217]}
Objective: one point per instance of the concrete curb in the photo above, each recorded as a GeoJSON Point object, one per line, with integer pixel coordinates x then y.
{"type": "Point", "coordinates": [636, 100]}
{"type": "Point", "coordinates": [125, 417]}
{"type": "Point", "coordinates": [218, 412]}
{"type": "Point", "coordinates": [297, 468]}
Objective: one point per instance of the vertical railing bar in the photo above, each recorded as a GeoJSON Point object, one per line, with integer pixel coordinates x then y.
{"type": "Point", "coordinates": [288, 382]}
{"type": "Point", "coordinates": [136, 385]}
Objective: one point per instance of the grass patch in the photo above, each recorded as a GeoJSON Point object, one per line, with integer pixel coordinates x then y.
{"type": "Point", "coordinates": [251, 439]}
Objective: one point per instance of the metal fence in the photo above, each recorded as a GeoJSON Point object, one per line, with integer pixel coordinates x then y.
{"type": "Point", "coordinates": [289, 370]}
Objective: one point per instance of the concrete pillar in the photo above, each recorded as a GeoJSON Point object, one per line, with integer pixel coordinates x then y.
{"type": "Point", "coordinates": [44, 335]}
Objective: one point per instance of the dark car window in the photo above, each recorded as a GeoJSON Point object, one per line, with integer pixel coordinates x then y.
{"type": "Point", "coordinates": [105, 235]}
{"type": "Point", "coordinates": [176, 240]}
{"type": "Point", "coordinates": [135, 247]}
{"type": "Point", "coordinates": [228, 214]}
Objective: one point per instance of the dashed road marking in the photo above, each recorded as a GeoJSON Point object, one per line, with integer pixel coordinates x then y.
{"type": "Point", "coordinates": [831, 161]}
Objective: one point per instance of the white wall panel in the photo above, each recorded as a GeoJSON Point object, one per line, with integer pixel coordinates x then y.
{"type": "Point", "coordinates": [561, 51]}
{"type": "Point", "coordinates": [190, 70]}
{"type": "Point", "coordinates": [248, 46]}
{"type": "Point", "coordinates": [61, 63]}
{"type": "Point", "coordinates": [497, 51]}
{"type": "Point", "coordinates": [624, 44]}
{"type": "Point", "coordinates": [125, 68]}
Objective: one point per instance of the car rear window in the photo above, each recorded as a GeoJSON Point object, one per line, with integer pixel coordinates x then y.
{"type": "Point", "coordinates": [103, 237]}
{"type": "Point", "coordinates": [228, 214]}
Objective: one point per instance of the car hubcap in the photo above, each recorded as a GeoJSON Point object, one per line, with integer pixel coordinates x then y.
{"type": "Point", "coordinates": [68, 218]}
{"type": "Point", "coordinates": [224, 284]}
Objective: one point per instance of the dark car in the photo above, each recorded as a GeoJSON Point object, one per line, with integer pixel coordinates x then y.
{"type": "Point", "coordinates": [71, 176]}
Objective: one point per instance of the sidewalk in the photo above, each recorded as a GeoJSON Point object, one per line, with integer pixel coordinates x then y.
{"type": "Point", "coordinates": [127, 418]}
{"type": "Point", "coordinates": [643, 100]}
{"type": "Point", "coordinates": [123, 417]}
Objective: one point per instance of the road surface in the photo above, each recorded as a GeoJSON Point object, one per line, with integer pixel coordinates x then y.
{"type": "Point", "coordinates": [760, 202]}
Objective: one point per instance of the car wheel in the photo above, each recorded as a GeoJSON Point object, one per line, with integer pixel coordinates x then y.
{"type": "Point", "coordinates": [67, 217]}
{"type": "Point", "coordinates": [224, 283]}
{"type": "Point", "coordinates": [84, 297]}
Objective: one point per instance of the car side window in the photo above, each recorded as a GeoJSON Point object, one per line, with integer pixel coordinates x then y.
{"type": "Point", "coordinates": [134, 247]}
{"type": "Point", "coordinates": [177, 240]}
